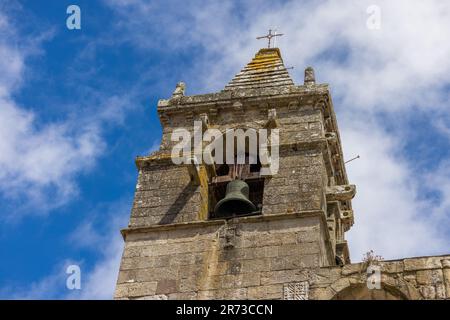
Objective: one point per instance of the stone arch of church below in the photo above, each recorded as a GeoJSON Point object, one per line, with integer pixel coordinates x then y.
{"type": "Point", "coordinates": [362, 292]}
{"type": "Point", "coordinates": [405, 279]}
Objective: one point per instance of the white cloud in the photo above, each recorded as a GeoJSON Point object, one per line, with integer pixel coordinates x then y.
{"type": "Point", "coordinates": [390, 73]}
{"type": "Point", "coordinates": [101, 281]}
{"type": "Point", "coordinates": [100, 233]}
{"type": "Point", "coordinates": [408, 54]}
{"type": "Point", "coordinates": [439, 181]}
{"type": "Point", "coordinates": [34, 160]}
{"type": "Point", "coordinates": [48, 287]}
{"type": "Point", "coordinates": [390, 218]}
{"type": "Point", "coordinates": [39, 161]}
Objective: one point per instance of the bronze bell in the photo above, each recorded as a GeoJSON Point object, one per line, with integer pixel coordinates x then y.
{"type": "Point", "coordinates": [236, 200]}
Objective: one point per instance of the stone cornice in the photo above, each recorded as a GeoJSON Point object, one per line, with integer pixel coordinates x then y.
{"type": "Point", "coordinates": [213, 222]}
{"type": "Point", "coordinates": [227, 98]}
{"type": "Point", "coordinates": [165, 157]}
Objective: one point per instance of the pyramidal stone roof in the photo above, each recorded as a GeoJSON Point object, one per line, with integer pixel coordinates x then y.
{"type": "Point", "coordinates": [266, 70]}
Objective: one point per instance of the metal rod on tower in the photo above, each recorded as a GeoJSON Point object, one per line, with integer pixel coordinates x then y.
{"type": "Point", "coordinates": [357, 157]}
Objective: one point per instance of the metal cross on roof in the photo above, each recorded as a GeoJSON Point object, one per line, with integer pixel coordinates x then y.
{"type": "Point", "coordinates": [270, 36]}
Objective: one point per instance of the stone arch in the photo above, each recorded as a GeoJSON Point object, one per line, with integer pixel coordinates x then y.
{"type": "Point", "coordinates": [361, 292]}
{"type": "Point", "coordinates": [351, 288]}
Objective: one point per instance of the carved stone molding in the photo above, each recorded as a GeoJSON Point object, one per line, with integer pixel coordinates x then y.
{"type": "Point", "coordinates": [296, 291]}
{"type": "Point", "coordinates": [341, 192]}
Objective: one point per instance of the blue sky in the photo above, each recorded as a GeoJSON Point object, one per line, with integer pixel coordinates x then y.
{"type": "Point", "coordinates": [77, 106]}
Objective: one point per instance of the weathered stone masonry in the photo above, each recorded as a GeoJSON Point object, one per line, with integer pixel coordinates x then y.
{"type": "Point", "coordinates": [296, 247]}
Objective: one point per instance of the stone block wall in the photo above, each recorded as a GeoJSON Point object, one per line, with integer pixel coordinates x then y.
{"type": "Point", "coordinates": [265, 260]}
{"type": "Point", "coordinates": [299, 184]}
{"type": "Point", "coordinates": [246, 258]}
{"type": "Point", "coordinates": [174, 251]}
{"type": "Point", "coordinates": [164, 194]}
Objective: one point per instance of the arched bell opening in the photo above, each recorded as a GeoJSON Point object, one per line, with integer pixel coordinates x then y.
{"type": "Point", "coordinates": [362, 292]}
{"type": "Point", "coordinates": [238, 187]}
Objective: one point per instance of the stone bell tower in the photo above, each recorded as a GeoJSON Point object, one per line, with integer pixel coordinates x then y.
{"type": "Point", "coordinates": [179, 246]}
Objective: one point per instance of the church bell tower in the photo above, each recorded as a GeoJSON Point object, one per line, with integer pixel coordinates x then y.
{"type": "Point", "coordinates": [213, 229]}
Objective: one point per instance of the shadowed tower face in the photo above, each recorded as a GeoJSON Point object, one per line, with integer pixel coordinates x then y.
{"type": "Point", "coordinates": [286, 226]}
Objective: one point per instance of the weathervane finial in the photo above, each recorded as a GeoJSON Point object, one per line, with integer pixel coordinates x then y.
{"type": "Point", "coordinates": [269, 36]}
